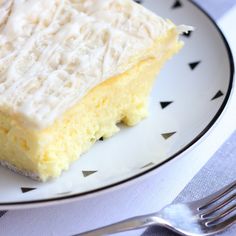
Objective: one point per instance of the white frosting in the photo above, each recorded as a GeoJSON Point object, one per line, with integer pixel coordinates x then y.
{"type": "Point", "coordinates": [53, 52]}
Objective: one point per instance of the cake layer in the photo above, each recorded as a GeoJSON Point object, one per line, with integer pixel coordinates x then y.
{"type": "Point", "coordinates": [52, 53]}
{"type": "Point", "coordinates": [47, 152]}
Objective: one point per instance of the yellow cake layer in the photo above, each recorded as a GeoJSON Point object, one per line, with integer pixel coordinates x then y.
{"type": "Point", "coordinates": [44, 154]}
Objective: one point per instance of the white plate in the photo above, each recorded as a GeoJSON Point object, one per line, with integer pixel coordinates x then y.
{"type": "Point", "coordinates": [189, 96]}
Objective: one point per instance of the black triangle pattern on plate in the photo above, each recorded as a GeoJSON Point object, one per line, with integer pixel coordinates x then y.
{"type": "Point", "coordinates": [87, 173]}
{"type": "Point", "coordinates": [217, 95]}
{"type": "Point", "coordinates": [101, 139]}
{"type": "Point", "coordinates": [168, 135]}
{"type": "Point", "coordinates": [177, 4]}
{"type": "Point", "coordinates": [147, 165]}
{"type": "Point", "coordinates": [193, 65]}
{"type": "Point", "coordinates": [2, 213]}
{"type": "Point", "coordinates": [25, 189]}
{"type": "Point", "coordinates": [139, 1]}
{"type": "Point", "coordinates": [188, 34]}
{"type": "Point", "coordinates": [165, 104]}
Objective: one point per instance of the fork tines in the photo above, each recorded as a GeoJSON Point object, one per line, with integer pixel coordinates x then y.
{"type": "Point", "coordinates": [218, 209]}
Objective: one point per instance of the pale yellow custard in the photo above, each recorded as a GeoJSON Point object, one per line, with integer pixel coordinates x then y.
{"type": "Point", "coordinates": [70, 75]}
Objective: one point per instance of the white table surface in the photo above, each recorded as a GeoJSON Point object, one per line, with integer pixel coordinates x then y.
{"type": "Point", "coordinates": [142, 197]}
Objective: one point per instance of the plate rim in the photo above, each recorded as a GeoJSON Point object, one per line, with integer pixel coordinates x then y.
{"type": "Point", "coordinates": [90, 193]}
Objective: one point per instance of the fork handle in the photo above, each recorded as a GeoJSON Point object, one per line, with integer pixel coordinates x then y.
{"type": "Point", "coordinates": [125, 225]}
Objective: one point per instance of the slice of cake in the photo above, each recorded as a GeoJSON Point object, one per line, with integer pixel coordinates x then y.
{"type": "Point", "coordinates": [70, 70]}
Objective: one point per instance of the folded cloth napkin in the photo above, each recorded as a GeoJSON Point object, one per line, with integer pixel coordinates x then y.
{"type": "Point", "coordinates": [218, 172]}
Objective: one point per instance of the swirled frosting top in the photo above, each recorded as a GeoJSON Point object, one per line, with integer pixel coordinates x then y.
{"type": "Point", "coordinates": [53, 52]}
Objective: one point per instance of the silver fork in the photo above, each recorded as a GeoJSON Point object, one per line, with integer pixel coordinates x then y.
{"type": "Point", "coordinates": [206, 216]}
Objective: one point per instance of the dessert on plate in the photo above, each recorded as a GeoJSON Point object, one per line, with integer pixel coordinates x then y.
{"type": "Point", "coordinates": [70, 70]}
